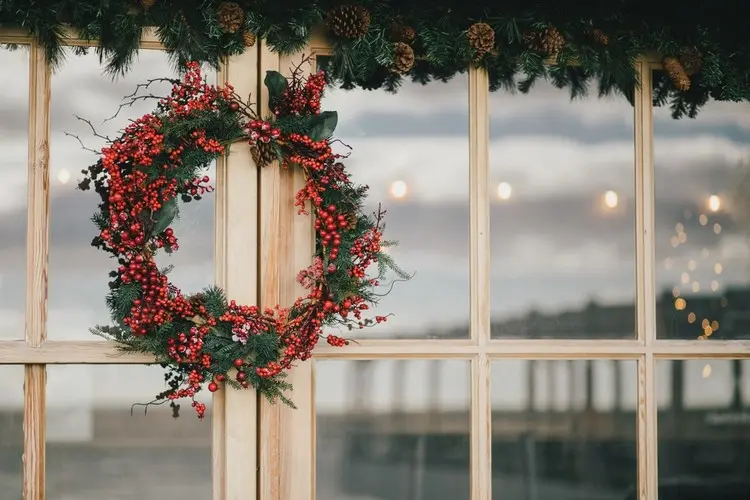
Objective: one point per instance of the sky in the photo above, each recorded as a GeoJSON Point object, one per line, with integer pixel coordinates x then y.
{"type": "Point", "coordinates": [555, 242]}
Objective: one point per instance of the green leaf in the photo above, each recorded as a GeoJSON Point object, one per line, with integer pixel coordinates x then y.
{"type": "Point", "coordinates": [276, 84]}
{"type": "Point", "coordinates": [323, 125]}
{"type": "Point", "coordinates": [165, 215]}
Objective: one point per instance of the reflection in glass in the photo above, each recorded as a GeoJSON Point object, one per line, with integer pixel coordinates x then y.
{"type": "Point", "coordinates": [702, 222]}
{"type": "Point", "coordinates": [563, 430]}
{"type": "Point", "coordinates": [411, 149]}
{"type": "Point", "coordinates": [11, 430]}
{"type": "Point", "coordinates": [14, 110]}
{"type": "Point", "coordinates": [97, 449]}
{"type": "Point", "coordinates": [562, 216]}
{"type": "Point", "coordinates": [79, 88]}
{"type": "Point", "coordinates": [392, 429]}
{"type": "Point", "coordinates": [704, 434]}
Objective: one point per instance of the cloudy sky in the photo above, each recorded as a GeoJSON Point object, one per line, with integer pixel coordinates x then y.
{"type": "Point", "coordinates": [558, 240]}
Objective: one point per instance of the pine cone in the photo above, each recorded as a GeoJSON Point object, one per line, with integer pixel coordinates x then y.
{"type": "Point", "coordinates": [348, 21]}
{"type": "Point", "coordinates": [230, 16]}
{"type": "Point", "coordinates": [403, 58]}
{"type": "Point", "coordinates": [147, 4]}
{"type": "Point", "coordinates": [691, 60]}
{"type": "Point", "coordinates": [481, 38]}
{"type": "Point", "coordinates": [402, 33]}
{"type": "Point", "coordinates": [599, 37]}
{"type": "Point", "coordinates": [263, 153]}
{"type": "Point", "coordinates": [549, 41]}
{"type": "Point", "coordinates": [248, 39]}
{"type": "Point", "coordinates": [677, 73]}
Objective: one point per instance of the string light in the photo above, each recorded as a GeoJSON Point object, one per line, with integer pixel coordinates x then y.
{"type": "Point", "coordinates": [706, 371]}
{"type": "Point", "coordinates": [504, 191]}
{"type": "Point", "coordinates": [63, 176]}
{"type": "Point", "coordinates": [703, 219]}
{"type": "Point", "coordinates": [611, 199]}
{"type": "Point", "coordinates": [714, 203]}
{"type": "Point", "coordinates": [399, 189]}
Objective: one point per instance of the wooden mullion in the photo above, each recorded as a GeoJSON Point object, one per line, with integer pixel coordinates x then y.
{"type": "Point", "coordinates": [37, 251]}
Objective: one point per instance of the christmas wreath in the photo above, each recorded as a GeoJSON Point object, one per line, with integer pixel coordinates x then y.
{"type": "Point", "coordinates": [204, 339]}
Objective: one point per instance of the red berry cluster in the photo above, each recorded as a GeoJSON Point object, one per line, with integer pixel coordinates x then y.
{"type": "Point", "coordinates": [263, 131]}
{"type": "Point", "coordinates": [302, 97]}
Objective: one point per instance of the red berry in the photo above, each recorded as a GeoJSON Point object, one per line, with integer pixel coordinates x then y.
{"type": "Point", "coordinates": [220, 377]}
{"type": "Point", "coordinates": [239, 362]}
{"type": "Point", "coordinates": [241, 376]}
{"type": "Point", "coordinates": [213, 387]}
{"type": "Point", "coordinates": [234, 106]}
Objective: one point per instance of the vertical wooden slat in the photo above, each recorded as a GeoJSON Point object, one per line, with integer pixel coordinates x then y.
{"type": "Point", "coordinates": [481, 435]}
{"type": "Point", "coordinates": [241, 257]}
{"type": "Point", "coordinates": [218, 410]}
{"type": "Point", "coordinates": [646, 287]}
{"type": "Point", "coordinates": [37, 249]}
{"type": "Point", "coordinates": [286, 439]}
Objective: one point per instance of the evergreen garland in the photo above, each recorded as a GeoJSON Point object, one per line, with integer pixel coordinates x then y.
{"type": "Point", "coordinates": [599, 40]}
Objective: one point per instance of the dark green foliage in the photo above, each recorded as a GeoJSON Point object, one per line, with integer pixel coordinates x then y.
{"type": "Point", "coordinates": [189, 29]}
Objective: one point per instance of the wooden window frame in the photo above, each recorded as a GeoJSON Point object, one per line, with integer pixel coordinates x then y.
{"type": "Point", "coordinates": [261, 243]}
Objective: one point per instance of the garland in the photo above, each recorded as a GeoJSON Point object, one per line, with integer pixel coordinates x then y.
{"type": "Point", "coordinates": [377, 43]}
{"type": "Point", "coordinates": [161, 157]}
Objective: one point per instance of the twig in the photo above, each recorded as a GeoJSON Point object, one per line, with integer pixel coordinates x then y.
{"type": "Point", "coordinates": [83, 146]}
{"type": "Point", "coordinates": [93, 130]}
{"type": "Point", "coordinates": [155, 402]}
{"type": "Point", "coordinates": [132, 98]}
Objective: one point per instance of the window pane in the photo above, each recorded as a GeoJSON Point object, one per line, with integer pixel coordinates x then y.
{"type": "Point", "coordinates": [392, 429]}
{"type": "Point", "coordinates": [11, 430]}
{"type": "Point", "coordinates": [563, 215]}
{"type": "Point", "coordinates": [702, 221]}
{"type": "Point", "coordinates": [79, 88]}
{"type": "Point", "coordinates": [14, 110]}
{"type": "Point", "coordinates": [411, 149]}
{"type": "Point", "coordinates": [704, 442]}
{"type": "Point", "coordinates": [564, 429]}
{"type": "Point", "coordinates": [97, 449]}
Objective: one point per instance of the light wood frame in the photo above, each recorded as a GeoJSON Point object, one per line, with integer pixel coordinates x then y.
{"type": "Point", "coordinates": [260, 245]}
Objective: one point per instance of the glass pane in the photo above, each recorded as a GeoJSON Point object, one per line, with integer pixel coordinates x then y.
{"type": "Point", "coordinates": [11, 430]}
{"type": "Point", "coordinates": [79, 88]}
{"type": "Point", "coordinates": [411, 149]}
{"type": "Point", "coordinates": [563, 215]}
{"type": "Point", "coordinates": [14, 110]}
{"type": "Point", "coordinates": [704, 438]}
{"type": "Point", "coordinates": [702, 170]}
{"type": "Point", "coordinates": [564, 430]}
{"type": "Point", "coordinates": [392, 430]}
{"type": "Point", "coordinates": [97, 449]}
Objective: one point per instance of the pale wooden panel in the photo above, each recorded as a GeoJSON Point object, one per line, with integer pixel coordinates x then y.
{"type": "Point", "coordinates": [37, 238]}
{"type": "Point", "coordinates": [240, 220]}
{"type": "Point", "coordinates": [34, 431]}
{"type": "Point", "coordinates": [481, 432]}
{"type": "Point", "coordinates": [479, 202]}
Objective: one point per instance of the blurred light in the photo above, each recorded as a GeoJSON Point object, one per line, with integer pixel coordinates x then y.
{"type": "Point", "coordinates": [714, 203]}
{"type": "Point", "coordinates": [706, 371]}
{"type": "Point", "coordinates": [611, 199]}
{"type": "Point", "coordinates": [685, 278]}
{"type": "Point", "coordinates": [705, 253]}
{"type": "Point", "coordinates": [680, 304]}
{"type": "Point", "coordinates": [715, 325]}
{"type": "Point", "coordinates": [399, 189]}
{"type": "Point", "coordinates": [714, 285]}
{"type": "Point", "coordinates": [504, 191]}
{"type": "Point", "coordinates": [668, 263]}
{"type": "Point", "coordinates": [679, 227]}
{"type": "Point", "coordinates": [63, 176]}
{"type": "Point", "coordinates": [718, 268]}
{"type": "Point", "coordinates": [691, 318]}
{"type": "Point", "coordinates": [675, 292]}
{"type": "Point", "coordinates": [724, 302]}
{"type": "Point", "coordinates": [696, 286]}
{"type": "Point", "coordinates": [717, 228]}
{"type": "Point", "coordinates": [703, 219]}
{"type": "Point", "coordinates": [682, 237]}
{"type": "Point", "coordinates": [708, 331]}
{"type": "Point", "coordinates": [692, 264]}
{"type": "Point", "coordinates": [674, 241]}
{"type": "Point", "coordinates": [704, 323]}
